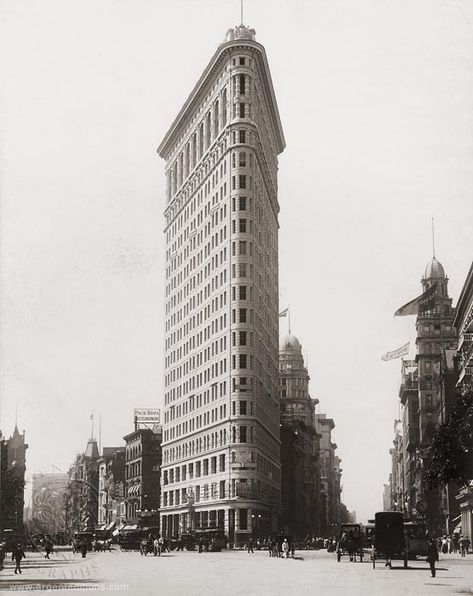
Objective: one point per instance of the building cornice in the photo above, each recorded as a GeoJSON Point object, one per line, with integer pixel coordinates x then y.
{"type": "Point", "coordinates": [200, 89]}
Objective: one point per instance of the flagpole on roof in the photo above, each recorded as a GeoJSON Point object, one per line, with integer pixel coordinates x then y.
{"type": "Point", "coordinates": [289, 317]}
{"type": "Point", "coordinates": [433, 238]}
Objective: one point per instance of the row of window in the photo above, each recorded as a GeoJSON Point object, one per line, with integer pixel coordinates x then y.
{"type": "Point", "coordinates": [207, 131]}
{"type": "Point", "coordinates": [195, 423]}
{"type": "Point", "coordinates": [213, 465]}
{"type": "Point", "coordinates": [239, 434]}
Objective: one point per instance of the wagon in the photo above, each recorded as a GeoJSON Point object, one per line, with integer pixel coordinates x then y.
{"type": "Point", "coordinates": [389, 540]}
{"type": "Point", "coordinates": [350, 542]}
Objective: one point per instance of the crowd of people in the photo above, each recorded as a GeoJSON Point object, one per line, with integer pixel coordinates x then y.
{"type": "Point", "coordinates": [456, 543]}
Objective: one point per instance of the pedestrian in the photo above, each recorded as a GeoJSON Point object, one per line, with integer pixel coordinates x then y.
{"type": "Point", "coordinates": [444, 545]}
{"type": "Point", "coordinates": [17, 555]}
{"type": "Point", "coordinates": [462, 545]}
{"type": "Point", "coordinates": [155, 547]}
{"type": "Point", "coordinates": [432, 556]}
{"type": "Point", "coordinates": [48, 547]}
{"type": "Point", "coordinates": [200, 545]}
{"type": "Point", "coordinates": [285, 548]}
{"type": "Point", "coordinates": [83, 549]}
{"type": "Point", "coordinates": [293, 550]}
{"type": "Point", "coordinates": [250, 546]}
{"type": "Point", "coordinates": [160, 545]}
{"type": "Point", "coordinates": [2, 554]}
{"type": "Point", "coordinates": [455, 542]}
{"type": "Point", "coordinates": [467, 545]}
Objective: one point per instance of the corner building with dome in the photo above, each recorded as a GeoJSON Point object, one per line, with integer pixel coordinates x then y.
{"type": "Point", "coordinates": [427, 394]}
{"type": "Point", "coordinates": [221, 440]}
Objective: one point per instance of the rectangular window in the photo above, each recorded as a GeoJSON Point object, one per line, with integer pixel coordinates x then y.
{"type": "Point", "coordinates": [242, 292]}
{"type": "Point", "coordinates": [243, 360]}
{"type": "Point", "coordinates": [243, 408]}
{"type": "Point", "coordinates": [197, 494]}
{"type": "Point", "coordinates": [206, 467]}
{"type": "Point", "coordinates": [242, 84]}
{"type": "Point", "coordinates": [197, 469]}
{"type": "Point", "coordinates": [243, 226]}
{"type": "Point", "coordinates": [242, 203]}
{"type": "Point", "coordinates": [242, 434]}
{"type": "Point", "coordinates": [242, 338]}
{"type": "Point", "coordinates": [242, 315]}
{"type": "Point", "coordinates": [243, 515]}
{"type": "Point", "coordinates": [221, 463]}
{"type": "Point", "coordinates": [222, 489]}
{"type": "Point", "coordinates": [242, 136]}
{"type": "Point", "coordinates": [242, 181]}
{"type": "Point", "coordinates": [241, 110]}
{"type": "Point", "coordinates": [213, 465]}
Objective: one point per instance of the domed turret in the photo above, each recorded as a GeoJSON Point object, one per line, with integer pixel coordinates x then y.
{"type": "Point", "coordinates": [290, 343]}
{"type": "Point", "coordinates": [434, 270]}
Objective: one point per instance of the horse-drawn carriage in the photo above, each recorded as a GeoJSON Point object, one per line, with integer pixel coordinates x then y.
{"type": "Point", "coordinates": [130, 540]}
{"type": "Point", "coordinates": [350, 542]}
{"type": "Point", "coordinates": [389, 539]}
{"type": "Point", "coordinates": [80, 539]}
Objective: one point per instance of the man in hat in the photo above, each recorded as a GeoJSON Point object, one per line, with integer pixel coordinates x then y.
{"type": "Point", "coordinates": [432, 556]}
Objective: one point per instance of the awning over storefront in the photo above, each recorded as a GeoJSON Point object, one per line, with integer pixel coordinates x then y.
{"type": "Point", "coordinates": [129, 527]}
{"type": "Point", "coordinates": [133, 490]}
{"type": "Point", "coordinates": [109, 527]}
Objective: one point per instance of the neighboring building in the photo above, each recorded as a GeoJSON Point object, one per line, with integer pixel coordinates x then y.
{"type": "Point", "coordinates": [329, 477]}
{"type": "Point", "coordinates": [111, 505]}
{"type": "Point", "coordinates": [300, 474]}
{"type": "Point", "coordinates": [221, 445]}
{"type": "Point", "coordinates": [3, 472]}
{"type": "Point", "coordinates": [396, 478]}
{"type": "Point", "coordinates": [48, 500]}
{"type": "Point", "coordinates": [82, 493]}
{"type": "Point", "coordinates": [435, 334]}
{"type": "Point", "coordinates": [387, 496]}
{"type": "Point", "coordinates": [463, 323]}
{"type": "Point", "coordinates": [409, 396]}
{"type": "Point", "coordinates": [427, 394]}
{"type": "Point", "coordinates": [12, 481]}
{"type": "Point", "coordinates": [143, 458]}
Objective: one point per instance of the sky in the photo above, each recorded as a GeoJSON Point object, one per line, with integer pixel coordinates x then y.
{"type": "Point", "coordinates": [376, 102]}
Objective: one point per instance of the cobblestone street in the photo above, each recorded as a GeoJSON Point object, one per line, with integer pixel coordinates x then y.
{"type": "Point", "coordinates": [232, 573]}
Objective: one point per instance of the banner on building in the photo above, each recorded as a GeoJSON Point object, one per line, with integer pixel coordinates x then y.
{"type": "Point", "coordinates": [402, 351]}
{"type": "Point", "coordinates": [422, 303]}
{"type": "Point", "coordinates": [147, 415]}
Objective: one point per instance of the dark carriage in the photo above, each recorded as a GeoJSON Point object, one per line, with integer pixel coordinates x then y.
{"type": "Point", "coordinates": [389, 539]}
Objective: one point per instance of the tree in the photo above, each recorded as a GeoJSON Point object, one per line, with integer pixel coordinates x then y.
{"type": "Point", "coordinates": [450, 457]}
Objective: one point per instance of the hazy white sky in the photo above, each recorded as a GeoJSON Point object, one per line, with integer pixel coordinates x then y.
{"type": "Point", "coordinates": [376, 101]}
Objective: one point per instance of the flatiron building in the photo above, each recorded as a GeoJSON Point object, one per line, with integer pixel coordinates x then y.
{"type": "Point", "coordinates": [221, 443]}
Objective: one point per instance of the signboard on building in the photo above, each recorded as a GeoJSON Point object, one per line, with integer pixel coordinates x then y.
{"type": "Point", "coordinates": [146, 416]}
